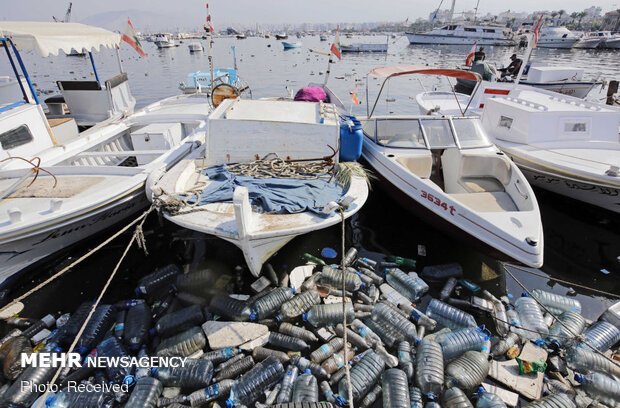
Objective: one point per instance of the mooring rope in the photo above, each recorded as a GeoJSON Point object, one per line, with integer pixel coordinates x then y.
{"type": "Point", "coordinates": [347, 373]}
{"type": "Point", "coordinates": [277, 167]}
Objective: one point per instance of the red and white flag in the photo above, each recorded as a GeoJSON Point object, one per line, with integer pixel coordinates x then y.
{"type": "Point", "coordinates": [470, 56]}
{"type": "Point", "coordinates": [537, 30]}
{"type": "Point", "coordinates": [354, 96]}
{"type": "Point", "coordinates": [130, 37]}
{"type": "Point", "coordinates": [208, 27]}
{"type": "Point", "coordinates": [335, 49]}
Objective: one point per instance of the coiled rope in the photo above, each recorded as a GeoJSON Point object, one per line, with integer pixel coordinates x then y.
{"type": "Point", "coordinates": [276, 167]}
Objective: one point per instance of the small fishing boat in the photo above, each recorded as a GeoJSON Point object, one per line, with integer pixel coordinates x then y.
{"type": "Point", "coordinates": [164, 41]}
{"type": "Point", "coordinates": [445, 166]}
{"type": "Point", "coordinates": [281, 36]}
{"type": "Point", "coordinates": [367, 47]}
{"type": "Point", "coordinates": [588, 42]}
{"type": "Point", "coordinates": [241, 37]}
{"type": "Point", "coordinates": [288, 45]}
{"type": "Point", "coordinates": [217, 191]}
{"type": "Point", "coordinates": [195, 47]}
{"type": "Point", "coordinates": [323, 37]}
{"type": "Point", "coordinates": [608, 40]}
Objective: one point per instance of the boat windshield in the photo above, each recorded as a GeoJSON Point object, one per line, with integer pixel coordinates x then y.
{"type": "Point", "coordinates": [438, 133]}
{"type": "Point", "coordinates": [405, 133]}
{"type": "Point", "coordinates": [470, 133]}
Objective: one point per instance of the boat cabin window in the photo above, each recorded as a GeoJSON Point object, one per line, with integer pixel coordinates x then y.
{"type": "Point", "coordinates": [473, 30]}
{"type": "Point", "coordinates": [452, 27]}
{"type": "Point", "coordinates": [438, 133]}
{"type": "Point", "coordinates": [405, 133]}
{"type": "Point", "coordinates": [15, 137]}
{"type": "Point", "coordinates": [488, 30]}
{"type": "Point", "coordinates": [470, 133]}
{"type": "Point", "coordinates": [576, 126]}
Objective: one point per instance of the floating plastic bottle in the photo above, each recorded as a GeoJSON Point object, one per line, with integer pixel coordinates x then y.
{"type": "Point", "coordinates": [601, 388]}
{"type": "Point", "coordinates": [365, 332]}
{"type": "Point", "coordinates": [311, 258]}
{"type": "Point", "coordinates": [405, 361]}
{"type": "Point", "coordinates": [331, 276]}
{"type": "Point", "coordinates": [228, 362]}
{"type": "Point", "coordinates": [138, 322]}
{"type": "Point", "coordinates": [429, 368]}
{"type": "Point", "coordinates": [515, 322]}
{"type": "Point", "coordinates": [12, 351]}
{"type": "Point", "coordinates": [299, 332]}
{"type": "Point", "coordinates": [326, 350]}
{"type": "Point", "coordinates": [83, 399]}
{"type": "Point", "coordinates": [230, 308]}
{"type": "Point", "coordinates": [183, 344]}
{"type": "Point", "coordinates": [194, 373]}
{"type": "Point", "coordinates": [287, 342]}
{"type": "Point", "coordinates": [395, 389]}
{"type": "Point", "coordinates": [179, 321]}
{"type": "Point", "coordinates": [219, 355]}
{"type": "Point", "coordinates": [458, 342]}
{"type": "Point", "coordinates": [19, 396]}
{"type": "Point", "coordinates": [213, 392]}
{"type": "Point", "coordinates": [303, 364]}
{"type": "Point", "coordinates": [162, 278]}
{"type": "Point", "coordinates": [584, 360]}
{"type": "Point", "coordinates": [418, 317]}
{"type": "Point", "coordinates": [560, 334]}
{"type": "Point", "coordinates": [447, 289]}
{"type": "Point", "coordinates": [100, 322]}
{"type": "Point", "coordinates": [504, 344]}
{"type": "Point", "coordinates": [262, 353]}
{"type": "Point", "coordinates": [432, 404]}
{"type": "Point", "coordinates": [287, 384]}
{"type": "Point", "coordinates": [326, 389]}
{"type": "Point", "coordinates": [531, 318]}
{"type": "Point", "coordinates": [363, 376]}
{"type": "Point", "coordinates": [489, 400]}
{"type": "Point", "coordinates": [455, 398]}
{"type": "Point", "coordinates": [384, 313]}
{"type": "Point", "coordinates": [269, 304]}
{"type": "Point", "coordinates": [236, 368]}
{"type": "Point", "coordinates": [328, 315]}
{"type": "Point", "coordinates": [352, 337]}
{"type": "Point", "coordinates": [602, 335]}
{"type": "Point", "coordinates": [554, 386]}
{"type": "Point", "coordinates": [409, 285]}
{"type": "Point", "coordinates": [306, 388]}
{"type": "Point", "coordinates": [145, 393]}
{"type": "Point", "coordinates": [386, 332]}
{"type": "Point", "coordinates": [336, 361]}
{"type": "Point", "coordinates": [557, 303]}
{"type": "Point", "coordinates": [112, 348]}
{"type": "Point", "coordinates": [468, 371]}
{"type": "Point", "coordinates": [552, 401]}
{"type": "Point", "coordinates": [299, 304]}
{"type": "Point", "coordinates": [415, 397]}
{"type": "Point", "coordinates": [249, 387]}
{"type": "Point", "coordinates": [449, 316]}
{"type": "Point", "coordinates": [67, 332]}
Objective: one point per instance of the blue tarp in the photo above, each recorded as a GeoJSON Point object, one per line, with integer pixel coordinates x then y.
{"type": "Point", "coordinates": [273, 195]}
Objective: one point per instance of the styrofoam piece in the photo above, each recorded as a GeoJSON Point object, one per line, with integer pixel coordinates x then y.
{"type": "Point", "coordinates": [232, 334]}
{"type": "Point", "coordinates": [510, 398]}
{"type": "Point", "coordinates": [299, 275]}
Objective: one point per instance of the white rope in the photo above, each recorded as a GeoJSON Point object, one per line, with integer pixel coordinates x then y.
{"type": "Point", "coordinates": [344, 314]}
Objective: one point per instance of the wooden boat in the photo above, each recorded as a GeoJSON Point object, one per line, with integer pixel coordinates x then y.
{"type": "Point", "coordinates": [288, 45]}
{"type": "Point", "coordinates": [447, 167]}
{"type": "Point", "coordinates": [241, 131]}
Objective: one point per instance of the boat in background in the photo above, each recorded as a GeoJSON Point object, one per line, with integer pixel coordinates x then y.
{"type": "Point", "coordinates": [557, 37]}
{"type": "Point", "coordinates": [608, 40]}
{"type": "Point", "coordinates": [447, 167]}
{"type": "Point", "coordinates": [464, 34]}
{"type": "Point", "coordinates": [368, 47]}
{"type": "Point", "coordinates": [164, 41]}
{"type": "Point", "coordinates": [195, 47]}
{"type": "Point", "coordinates": [288, 45]}
{"type": "Point", "coordinates": [281, 36]}
{"type": "Point", "coordinates": [323, 37]}
{"type": "Point", "coordinates": [586, 41]}
{"type": "Point", "coordinates": [241, 37]}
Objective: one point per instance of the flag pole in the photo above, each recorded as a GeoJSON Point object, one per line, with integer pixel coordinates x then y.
{"type": "Point", "coordinates": [209, 29]}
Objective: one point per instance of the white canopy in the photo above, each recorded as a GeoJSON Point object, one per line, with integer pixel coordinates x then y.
{"type": "Point", "coordinates": [49, 38]}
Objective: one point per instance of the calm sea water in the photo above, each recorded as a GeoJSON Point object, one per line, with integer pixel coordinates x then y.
{"type": "Point", "coordinates": [582, 243]}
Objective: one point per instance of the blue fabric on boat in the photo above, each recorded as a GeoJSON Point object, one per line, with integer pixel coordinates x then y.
{"type": "Point", "coordinates": [273, 195]}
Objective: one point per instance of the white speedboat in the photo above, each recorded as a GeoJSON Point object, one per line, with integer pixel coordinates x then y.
{"type": "Point", "coordinates": [464, 34]}
{"type": "Point", "coordinates": [557, 37]}
{"type": "Point", "coordinates": [243, 131]}
{"type": "Point", "coordinates": [447, 167]}
{"type": "Point", "coordinates": [80, 183]}
{"type": "Point", "coordinates": [608, 40]}
{"type": "Point", "coordinates": [164, 41]}
{"type": "Point", "coordinates": [586, 41]}
{"type": "Point", "coordinates": [364, 47]}
{"type": "Point", "coordinates": [195, 47]}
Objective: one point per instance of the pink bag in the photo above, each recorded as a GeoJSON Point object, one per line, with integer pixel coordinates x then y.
{"type": "Point", "coordinates": [311, 94]}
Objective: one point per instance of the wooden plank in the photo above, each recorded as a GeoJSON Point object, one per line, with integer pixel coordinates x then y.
{"type": "Point", "coordinates": [507, 372]}
{"type": "Point", "coordinates": [58, 121]}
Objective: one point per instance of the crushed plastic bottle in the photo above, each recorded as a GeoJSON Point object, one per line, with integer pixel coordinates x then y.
{"type": "Point", "coordinates": [305, 388]}
{"type": "Point", "coordinates": [489, 400]}
{"type": "Point", "coordinates": [269, 304]}
{"type": "Point", "coordinates": [560, 334]}
{"type": "Point", "coordinates": [531, 318]}
{"type": "Point", "coordinates": [447, 289]}
{"type": "Point", "coordinates": [218, 390]}
{"type": "Point", "coordinates": [327, 350]}
{"type": "Point", "coordinates": [365, 332]}
{"type": "Point", "coordinates": [600, 387]}
{"type": "Point", "coordinates": [363, 375]}
{"type": "Point", "coordinates": [352, 337]}
{"type": "Point", "coordinates": [19, 396]}
{"type": "Point", "coordinates": [287, 342]}
{"type": "Point", "coordinates": [429, 372]}
{"type": "Point", "coordinates": [385, 314]}
{"type": "Point", "coordinates": [455, 398]}
{"type": "Point", "coordinates": [138, 322]}
{"type": "Point", "coordinates": [11, 351]}
{"type": "Point", "coordinates": [299, 332]}
{"type": "Point", "coordinates": [183, 344]}
{"type": "Point", "coordinates": [409, 285]}
{"type": "Point", "coordinates": [449, 316]}
{"type": "Point", "coordinates": [249, 387]}
{"type": "Point", "coordinates": [328, 314]}
{"type": "Point", "coordinates": [332, 276]}
{"type": "Point", "coordinates": [504, 344]}
{"type": "Point", "coordinates": [287, 384]}
{"type": "Point", "coordinates": [455, 343]}
{"type": "Point", "coordinates": [194, 373]}
{"type": "Point", "coordinates": [304, 363]}
{"type": "Point", "coordinates": [179, 321]}
{"type": "Point", "coordinates": [468, 371]}
{"type": "Point", "coordinates": [335, 362]}
{"type": "Point", "coordinates": [395, 389]}
{"type": "Point", "coordinates": [405, 362]}
{"type": "Point", "coordinates": [552, 401]}
{"type": "Point", "coordinates": [557, 304]}
{"type": "Point", "coordinates": [386, 332]}
{"type": "Point", "coordinates": [584, 360]}
{"type": "Point", "coordinates": [370, 398]}
{"type": "Point", "coordinates": [145, 393]}
{"type": "Point", "coordinates": [602, 335]}
{"type": "Point", "coordinates": [299, 304]}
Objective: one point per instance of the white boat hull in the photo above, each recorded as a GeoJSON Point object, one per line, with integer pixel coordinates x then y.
{"type": "Point", "coordinates": [588, 43]}
{"type": "Point", "coordinates": [612, 43]}
{"type": "Point", "coordinates": [558, 43]}
{"type": "Point", "coordinates": [423, 38]}
{"type": "Point", "coordinates": [364, 48]}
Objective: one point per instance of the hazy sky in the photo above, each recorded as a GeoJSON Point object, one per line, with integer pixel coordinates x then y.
{"type": "Point", "coordinates": [280, 11]}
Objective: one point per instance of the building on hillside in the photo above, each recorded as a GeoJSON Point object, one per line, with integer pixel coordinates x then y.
{"type": "Point", "coordinates": [611, 21]}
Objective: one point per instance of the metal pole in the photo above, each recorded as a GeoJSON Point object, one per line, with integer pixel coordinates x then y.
{"type": "Point", "coordinates": [92, 61]}
{"type": "Point", "coordinates": [21, 64]}
{"type": "Point", "coordinates": [118, 58]}
{"type": "Point", "coordinates": [211, 60]}
{"type": "Point", "coordinates": [526, 58]}
{"type": "Point", "coordinates": [329, 63]}
{"type": "Point", "coordinates": [19, 81]}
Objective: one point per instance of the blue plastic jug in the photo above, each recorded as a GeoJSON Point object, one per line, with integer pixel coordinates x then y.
{"type": "Point", "coordinates": [351, 136]}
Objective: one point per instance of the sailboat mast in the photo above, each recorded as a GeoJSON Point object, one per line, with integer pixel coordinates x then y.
{"type": "Point", "coordinates": [451, 11]}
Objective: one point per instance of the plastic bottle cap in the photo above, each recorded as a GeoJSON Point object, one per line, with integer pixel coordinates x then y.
{"type": "Point", "coordinates": [340, 401]}
{"type": "Point", "coordinates": [524, 294]}
{"type": "Point", "coordinates": [155, 371]}
{"type": "Point", "coordinates": [579, 378]}
{"type": "Point", "coordinates": [329, 253]}
{"type": "Point", "coordinates": [48, 400]}
{"type": "Point", "coordinates": [481, 390]}
{"type": "Point", "coordinates": [307, 371]}
{"type": "Point", "coordinates": [555, 344]}
{"type": "Point", "coordinates": [229, 403]}
{"type": "Point", "coordinates": [252, 316]}
{"type": "Point", "coordinates": [540, 343]}
{"type": "Point", "coordinates": [304, 317]}
{"type": "Point", "coordinates": [278, 318]}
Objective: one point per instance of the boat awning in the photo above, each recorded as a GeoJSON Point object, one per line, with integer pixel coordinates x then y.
{"type": "Point", "coordinates": [49, 38]}
{"type": "Point", "coordinates": [396, 70]}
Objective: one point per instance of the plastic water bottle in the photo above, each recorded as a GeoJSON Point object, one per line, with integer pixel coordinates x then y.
{"type": "Point", "coordinates": [415, 397]}
{"type": "Point", "coordinates": [287, 342]}
{"type": "Point", "coordinates": [299, 332]}
{"type": "Point", "coordinates": [442, 272]}
{"type": "Point", "coordinates": [162, 278]}
{"type": "Point", "coordinates": [468, 371]}
{"type": "Point", "coordinates": [409, 285]}
{"type": "Point", "coordinates": [370, 397]}
{"type": "Point", "coordinates": [449, 316]}
{"type": "Point", "coordinates": [429, 370]}
{"type": "Point", "coordinates": [47, 322]}
{"type": "Point", "coordinates": [119, 326]}
{"type": "Point", "coordinates": [138, 322]}
{"type": "Point", "coordinates": [326, 389]}
{"type": "Point", "coordinates": [66, 333]}
{"type": "Point", "coordinates": [269, 304]}
{"type": "Point", "coordinates": [557, 303]}
{"type": "Point", "coordinates": [447, 289]}
{"type": "Point", "coordinates": [584, 360]}
{"type": "Point", "coordinates": [455, 343]}
{"type": "Point", "coordinates": [499, 313]}
{"type": "Point", "coordinates": [388, 334]}
{"type": "Point", "coordinates": [303, 364]}
{"type": "Point", "coordinates": [179, 321]}
{"type": "Point", "coordinates": [337, 361]}
{"type": "Point", "coordinates": [332, 276]}
{"type": "Point", "coordinates": [515, 322]}
{"type": "Point", "coordinates": [352, 337]}
{"type": "Point", "coordinates": [382, 312]}
{"type": "Point", "coordinates": [195, 373]}
{"type": "Point", "coordinates": [183, 344]}
{"type": "Point", "coordinates": [235, 369]}
{"type": "Point", "coordinates": [84, 399]}
{"type": "Point", "coordinates": [405, 362]}
{"type": "Point", "coordinates": [365, 332]}
{"type": "Point", "coordinates": [213, 392]}
{"type": "Point", "coordinates": [230, 308]}
{"type": "Point", "coordinates": [287, 384]}
{"type": "Point", "coordinates": [504, 344]}
{"type": "Point", "coordinates": [18, 396]}
{"type": "Point", "coordinates": [489, 400]}
{"type": "Point", "coordinates": [262, 353]}
{"type": "Point", "coordinates": [395, 389]}
{"type": "Point", "coordinates": [418, 317]}
{"type": "Point", "coordinates": [249, 387]}
{"type": "Point", "coordinates": [552, 401]}
{"type": "Point", "coordinates": [299, 304]}
{"type": "Point", "coordinates": [531, 318]}
{"type": "Point", "coordinates": [602, 335]}
{"type": "Point", "coordinates": [326, 350]}
{"type": "Point", "coordinates": [363, 376]}
{"type": "Point", "coordinates": [220, 355]}
{"type": "Point", "coordinates": [100, 322]}
{"type": "Point", "coordinates": [432, 404]}
{"type": "Point", "coordinates": [329, 315]}
{"type": "Point", "coordinates": [455, 398]}
{"type": "Point", "coordinates": [112, 348]}
{"type": "Point", "coordinates": [306, 388]}
{"type": "Point", "coordinates": [145, 393]}
{"type": "Point", "coordinates": [601, 388]}
{"type": "Point", "coordinates": [574, 322]}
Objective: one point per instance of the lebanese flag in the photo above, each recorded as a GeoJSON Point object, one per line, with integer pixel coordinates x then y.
{"type": "Point", "coordinates": [470, 56]}
{"type": "Point", "coordinates": [208, 27]}
{"type": "Point", "coordinates": [335, 49]}
{"type": "Point", "coordinates": [354, 96]}
{"type": "Point", "coordinates": [130, 37]}
{"type": "Point", "coordinates": [536, 31]}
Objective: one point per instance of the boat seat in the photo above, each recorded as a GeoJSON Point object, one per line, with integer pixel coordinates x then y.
{"type": "Point", "coordinates": [487, 201]}
{"type": "Point", "coordinates": [474, 172]}
{"type": "Point", "coordinates": [420, 165]}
